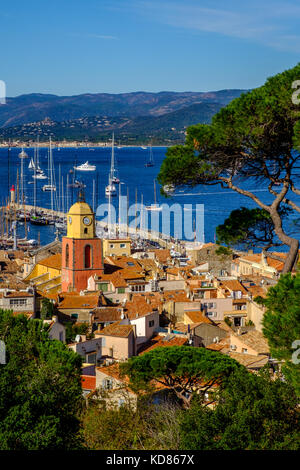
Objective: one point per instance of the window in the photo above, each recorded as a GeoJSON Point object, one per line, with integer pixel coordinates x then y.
{"type": "Point", "coordinates": [244, 350]}
{"type": "Point", "coordinates": [74, 316]}
{"type": "Point", "coordinates": [18, 302]}
{"type": "Point", "coordinates": [151, 323]}
{"type": "Point", "coordinates": [85, 230]}
{"type": "Point", "coordinates": [111, 246]}
{"type": "Point", "coordinates": [107, 384]}
{"type": "Point", "coordinates": [121, 290]}
{"type": "Point", "coordinates": [210, 314]}
{"type": "Point", "coordinates": [87, 256]}
{"type": "Point", "coordinates": [91, 358]}
{"type": "Point", "coordinates": [103, 286]}
{"type": "Point", "coordinates": [130, 263]}
{"type": "Point", "coordinates": [121, 401]}
{"type": "Point", "coordinates": [122, 245]}
{"type": "Point", "coordinates": [67, 255]}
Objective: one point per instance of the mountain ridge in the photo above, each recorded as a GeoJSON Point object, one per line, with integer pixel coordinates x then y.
{"type": "Point", "coordinates": [35, 107]}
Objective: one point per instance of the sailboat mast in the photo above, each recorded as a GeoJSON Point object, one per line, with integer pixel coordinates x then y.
{"type": "Point", "coordinates": [59, 188]}
{"type": "Point", "coordinates": [22, 181]}
{"type": "Point", "coordinates": [112, 166]}
{"type": "Point", "coordinates": [119, 210]}
{"type": "Point", "coordinates": [51, 176]}
{"type": "Point", "coordinates": [93, 195]}
{"type": "Point", "coordinates": [37, 164]}
{"type": "Point", "coordinates": [34, 180]}
{"type": "Point", "coordinates": [135, 209]}
{"type": "Point", "coordinates": [154, 192]}
{"type": "Point", "coordinates": [62, 195]}
{"type": "Point", "coordinates": [127, 213]}
{"type": "Point", "coordinates": [67, 195]}
{"type": "Point", "coordinates": [142, 218]}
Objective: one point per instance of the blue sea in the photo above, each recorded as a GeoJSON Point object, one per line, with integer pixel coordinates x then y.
{"type": "Point", "coordinates": [135, 177]}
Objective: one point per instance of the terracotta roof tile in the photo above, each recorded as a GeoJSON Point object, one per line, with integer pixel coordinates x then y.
{"type": "Point", "coordinates": [71, 300]}
{"type": "Point", "coordinates": [196, 316]}
{"type": "Point", "coordinates": [116, 329]}
{"type": "Point", "coordinates": [159, 340]}
{"type": "Point", "coordinates": [106, 314]}
{"type": "Point", "coordinates": [53, 261]}
{"type": "Point", "coordinates": [88, 382]}
{"type": "Point", "coordinates": [233, 285]}
{"type": "Point", "coordinates": [248, 360]}
{"type": "Point", "coordinates": [255, 340]}
{"type": "Point", "coordinates": [162, 256]}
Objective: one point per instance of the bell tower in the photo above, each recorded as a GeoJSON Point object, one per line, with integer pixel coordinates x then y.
{"type": "Point", "coordinates": [82, 254]}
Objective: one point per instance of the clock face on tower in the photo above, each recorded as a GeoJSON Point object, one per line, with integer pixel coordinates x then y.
{"type": "Point", "coordinates": [86, 221]}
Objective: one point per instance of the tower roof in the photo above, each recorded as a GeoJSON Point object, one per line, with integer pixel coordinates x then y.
{"type": "Point", "coordinates": [80, 208]}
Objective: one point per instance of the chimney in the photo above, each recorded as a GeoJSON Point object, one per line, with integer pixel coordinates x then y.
{"type": "Point", "coordinates": [264, 259]}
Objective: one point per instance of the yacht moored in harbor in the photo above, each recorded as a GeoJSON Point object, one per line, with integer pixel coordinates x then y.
{"type": "Point", "coordinates": [85, 167]}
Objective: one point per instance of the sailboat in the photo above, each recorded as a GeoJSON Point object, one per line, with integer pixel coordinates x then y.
{"type": "Point", "coordinates": [111, 190]}
{"type": "Point", "coordinates": [23, 154]}
{"type": "Point", "coordinates": [31, 164]}
{"type": "Point", "coordinates": [51, 186]}
{"type": "Point", "coordinates": [113, 176]}
{"type": "Point", "coordinates": [36, 219]}
{"type": "Point", "coordinates": [151, 160]}
{"type": "Point", "coordinates": [154, 207]}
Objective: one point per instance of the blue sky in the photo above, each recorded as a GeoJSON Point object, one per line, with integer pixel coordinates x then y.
{"type": "Point", "coordinates": [69, 47]}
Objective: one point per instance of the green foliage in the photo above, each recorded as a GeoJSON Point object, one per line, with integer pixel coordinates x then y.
{"type": "Point", "coordinates": [247, 227]}
{"type": "Point", "coordinates": [228, 321]}
{"type": "Point", "coordinates": [75, 329]}
{"type": "Point", "coordinates": [181, 368]}
{"type": "Point", "coordinates": [252, 137]}
{"type": "Point", "coordinates": [281, 324]}
{"type": "Point", "coordinates": [253, 412]}
{"type": "Point", "coordinates": [223, 251]}
{"type": "Point", "coordinates": [47, 309]}
{"type": "Point", "coordinates": [250, 412]}
{"type": "Point", "coordinates": [40, 389]}
{"type": "Point", "coordinates": [126, 428]}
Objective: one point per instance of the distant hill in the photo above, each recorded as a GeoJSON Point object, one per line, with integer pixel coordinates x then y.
{"type": "Point", "coordinates": [166, 129]}
{"type": "Point", "coordinates": [135, 118]}
{"type": "Point", "coordinates": [37, 107]}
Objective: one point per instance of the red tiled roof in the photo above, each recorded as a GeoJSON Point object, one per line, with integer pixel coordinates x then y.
{"type": "Point", "coordinates": [197, 317]}
{"type": "Point", "coordinates": [88, 382]}
{"type": "Point", "coordinates": [116, 329]}
{"type": "Point", "coordinates": [53, 261]}
{"type": "Point", "coordinates": [159, 340]}
{"type": "Point", "coordinates": [70, 300]}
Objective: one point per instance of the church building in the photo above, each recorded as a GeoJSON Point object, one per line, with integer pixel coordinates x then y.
{"type": "Point", "coordinates": [82, 252]}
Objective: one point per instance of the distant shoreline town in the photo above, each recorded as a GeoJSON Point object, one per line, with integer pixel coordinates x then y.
{"type": "Point", "coordinates": [64, 144]}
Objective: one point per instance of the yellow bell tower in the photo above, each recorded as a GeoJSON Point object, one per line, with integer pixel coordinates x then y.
{"type": "Point", "coordinates": [82, 253]}
{"type": "Point", "coordinates": [81, 221]}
